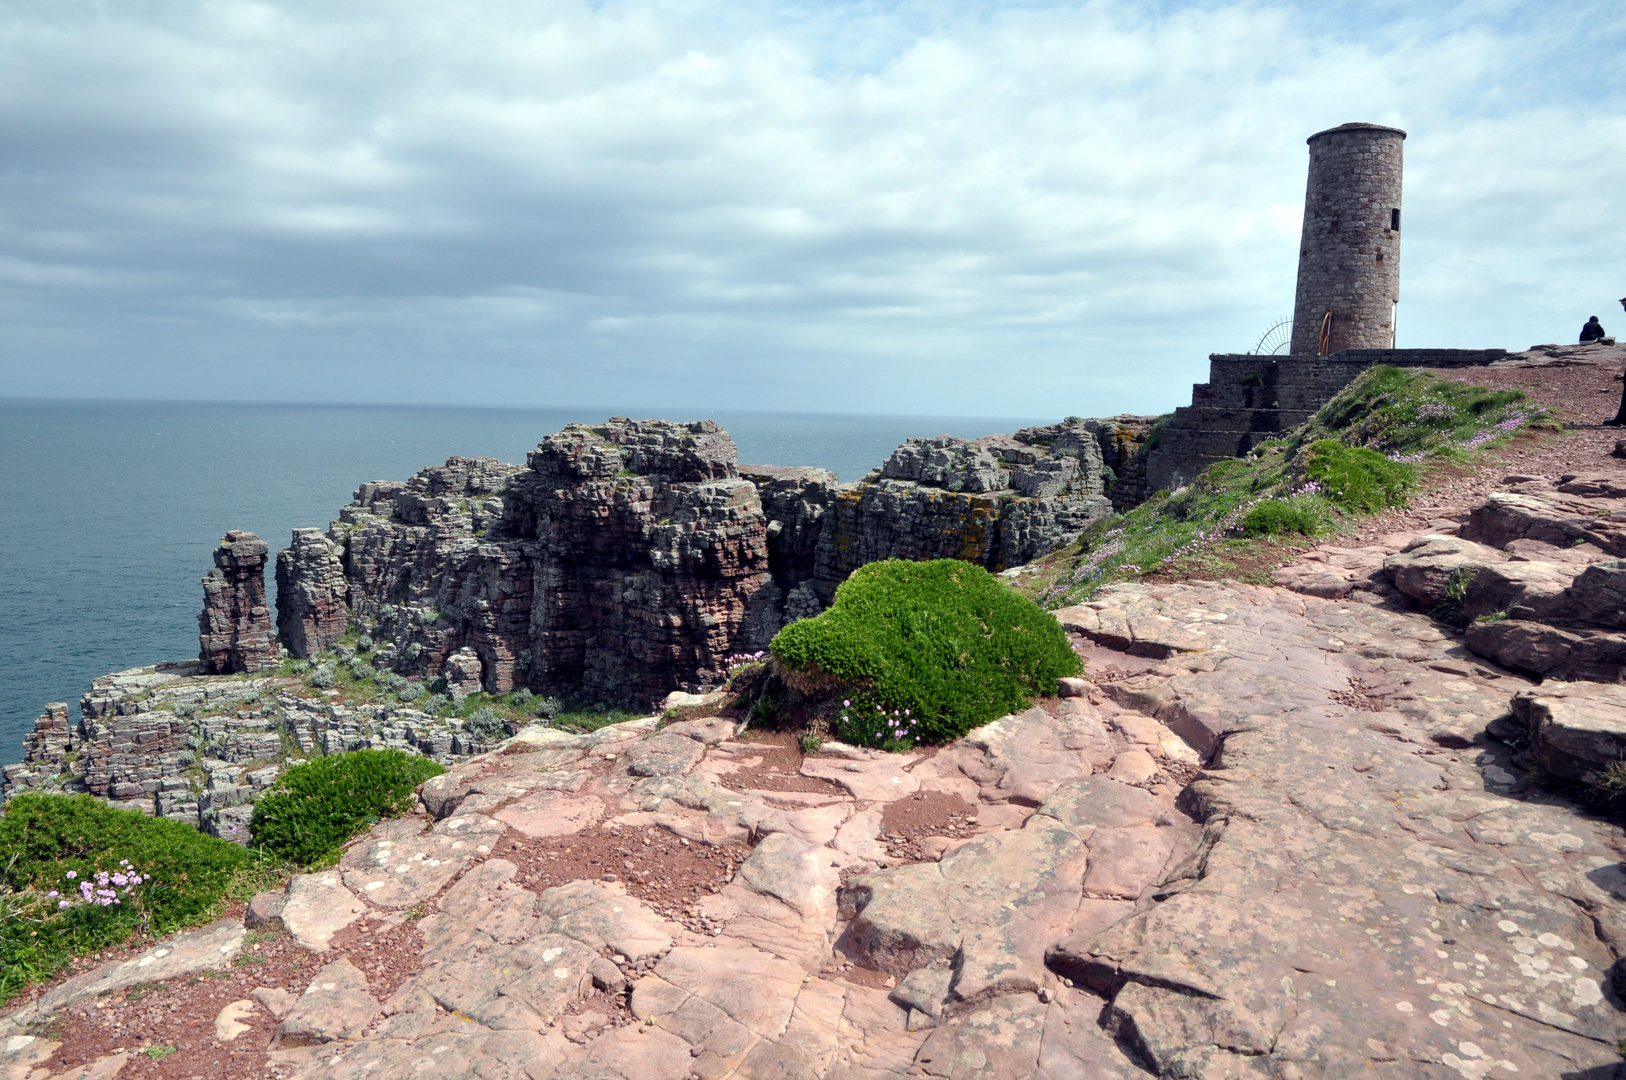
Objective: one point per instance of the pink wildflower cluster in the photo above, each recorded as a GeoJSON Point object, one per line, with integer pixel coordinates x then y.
{"type": "Point", "coordinates": [739, 660]}
{"type": "Point", "coordinates": [1431, 410]}
{"type": "Point", "coordinates": [1219, 531]}
{"type": "Point", "coordinates": [1092, 567]}
{"type": "Point", "coordinates": [1311, 488]}
{"type": "Point", "coordinates": [1408, 459]}
{"type": "Point", "coordinates": [899, 725]}
{"type": "Point", "coordinates": [1506, 427]}
{"type": "Point", "coordinates": [104, 888]}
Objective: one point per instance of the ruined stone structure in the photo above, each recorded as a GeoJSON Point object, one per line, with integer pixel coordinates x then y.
{"type": "Point", "coordinates": [1250, 398]}
{"type": "Point", "coordinates": [631, 558]}
{"type": "Point", "coordinates": [1343, 317]}
{"type": "Point", "coordinates": [1349, 257]}
{"type": "Point", "coordinates": [234, 628]}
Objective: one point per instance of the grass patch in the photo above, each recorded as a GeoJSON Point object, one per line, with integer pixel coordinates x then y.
{"type": "Point", "coordinates": [924, 652]}
{"type": "Point", "coordinates": [1358, 479]}
{"type": "Point", "coordinates": [1412, 415]}
{"type": "Point", "coordinates": [187, 874]}
{"type": "Point", "coordinates": [314, 808]}
{"type": "Point", "coordinates": [585, 717]}
{"type": "Point", "coordinates": [1361, 453]}
{"type": "Point", "coordinates": [1274, 517]}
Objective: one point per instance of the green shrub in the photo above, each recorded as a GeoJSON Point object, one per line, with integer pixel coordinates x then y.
{"type": "Point", "coordinates": [44, 837]}
{"type": "Point", "coordinates": [321, 678]}
{"type": "Point", "coordinates": [1361, 481]}
{"type": "Point", "coordinates": [1276, 516]}
{"type": "Point", "coordinates": [411, 691]}
{"type": "Point", "coordinates": [313, 808]}
{"type": "Point", "coordinates": [484, 723]}
{"type": "Point", "coordinates": [944, 640]}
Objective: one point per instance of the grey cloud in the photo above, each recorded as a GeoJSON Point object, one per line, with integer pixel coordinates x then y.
{"type": "Point", "coordinates": [1009, 210]}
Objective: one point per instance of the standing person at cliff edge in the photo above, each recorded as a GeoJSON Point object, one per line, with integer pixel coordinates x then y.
{"type": "Point", "coordinates": [1593, 330]}
{"type": "Point", "coordinates": [1620, 413]}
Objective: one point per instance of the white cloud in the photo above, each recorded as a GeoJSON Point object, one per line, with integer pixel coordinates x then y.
{"type": "Point", "coordinates": [1016, 210]}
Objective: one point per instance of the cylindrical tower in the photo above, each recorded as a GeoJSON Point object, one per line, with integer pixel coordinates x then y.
{"type": "Point", "coordinates": [1349, 257]}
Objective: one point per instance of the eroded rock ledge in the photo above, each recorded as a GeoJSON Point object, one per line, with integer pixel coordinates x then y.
{"type": "Point", "coordinates": [1353, 881]}
{"type": "Point", "coordinates": [629, 559]}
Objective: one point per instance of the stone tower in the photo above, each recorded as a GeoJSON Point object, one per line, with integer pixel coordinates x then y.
{"type": "Point", "coordinates": [1349, 256]}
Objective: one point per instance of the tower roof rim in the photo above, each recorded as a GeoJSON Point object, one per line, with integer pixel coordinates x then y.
{"type": "Point", "coordinates": [1355, 127]}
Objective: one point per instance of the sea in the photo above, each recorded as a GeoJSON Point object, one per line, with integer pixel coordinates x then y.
{"type": "Point", "coordinates": [115, 506]}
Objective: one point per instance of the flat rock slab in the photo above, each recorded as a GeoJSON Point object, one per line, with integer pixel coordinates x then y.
{"type": "Point", "coordinates": [21, 1053]}
{"type": "Point", "coordinates": [401, 873]}
{"type": "Point", "coordinates": [487, 1055]}
{"type": "Point", "coordinates": [990, 907]}
{"type": "Point", "coordinates": [600, 913]}
{"type": "Point", "coordinates": [551, 813]}
{"type": "Point", "coordinates": [314, 907]}
{"type": "Point", "coordinates": [209, 949]}
{"type": "Point", "coordinates": [1362, 895]}
{"type": "Point", "coordinates": [520, 987]}
{"type": "Point", "coordinates": [709, 731]}
{"type": "Point", "coordinates": [666, 754]}
{"type": "Point", "coordinates": [336, 1005]}
{"type": "Point", "coordinates": [870, 776]}
{"type": "Point", "coordinates": [1123, 862]}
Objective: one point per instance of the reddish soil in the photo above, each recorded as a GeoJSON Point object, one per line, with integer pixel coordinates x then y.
{"type": "Point", "coordinates": [907, 823]}
{"type": "Point", "coordinates": [169, 1028]}
{"type": "Point", "coordinates": [664, 871]}
{"type": "Point", "coordinates": [780, 769]}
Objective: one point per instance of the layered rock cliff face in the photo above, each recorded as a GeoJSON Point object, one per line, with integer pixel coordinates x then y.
{"type": "Point", "coordinates": [234, 628]}
{"type": "Point", "coordinates": [632, 558]}
{"type": "Point", "coordinates": [311, 591]}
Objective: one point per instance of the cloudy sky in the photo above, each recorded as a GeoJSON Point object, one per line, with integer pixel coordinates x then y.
{"type": "Point", "coordinates": [974, 209]}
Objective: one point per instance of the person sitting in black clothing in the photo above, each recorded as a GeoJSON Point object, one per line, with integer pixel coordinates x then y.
{"type": "Point", "coordinates": [1592, 331]}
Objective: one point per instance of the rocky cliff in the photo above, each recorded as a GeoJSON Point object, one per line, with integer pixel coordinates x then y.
{"type": "Point", "coordinates": [234, 628]}
{"type": "Point", "coordinates": [628, 559]}
{"type": "Point", "coordinates": [622, 561]}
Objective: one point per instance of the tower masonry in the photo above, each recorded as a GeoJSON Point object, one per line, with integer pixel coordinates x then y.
{"type": "Point", "coordinates": [1349, 256]}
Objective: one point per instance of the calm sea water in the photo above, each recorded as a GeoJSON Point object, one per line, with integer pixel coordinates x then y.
{"type": "Point", "coordinates": [114, 507]}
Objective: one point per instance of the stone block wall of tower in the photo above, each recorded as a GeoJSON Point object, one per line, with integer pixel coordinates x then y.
{"type": "Point", "coordinates": [1349, 256]}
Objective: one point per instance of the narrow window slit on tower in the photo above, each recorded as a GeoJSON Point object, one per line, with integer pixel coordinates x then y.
{"type": "Point", "coordinates": [1394, 219]}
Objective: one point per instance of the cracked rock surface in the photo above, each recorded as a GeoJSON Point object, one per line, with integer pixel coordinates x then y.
{"type": "Point", "coordinates": [1272, 837]}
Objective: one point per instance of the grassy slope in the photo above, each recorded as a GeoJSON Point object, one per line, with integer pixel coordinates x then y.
{"type": "Point", "coordinates": [1315, 480]}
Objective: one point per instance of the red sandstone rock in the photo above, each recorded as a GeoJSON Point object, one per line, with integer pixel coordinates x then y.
{"type": "Point", "coordinates": [234, 628]}
{"type": "Point", "coordinates": [311, 592]}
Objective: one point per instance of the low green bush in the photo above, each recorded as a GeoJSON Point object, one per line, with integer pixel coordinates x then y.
{"type": "Point", "coordinates": [1359, 480]}
{"type": "Point", "coordinates": [186, 875]}
{"type": "Point", "coordinates": [484, 723]}
{"type": "Point", "coordinates": [925, 651]}
{"type": "Point", "coordinates": [313, 808]}
{"type": "Point", "coordinates": [1273, 517]}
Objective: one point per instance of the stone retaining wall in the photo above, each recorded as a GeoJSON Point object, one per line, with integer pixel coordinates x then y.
{"type": "Point", "coordinates": [1250, 398]}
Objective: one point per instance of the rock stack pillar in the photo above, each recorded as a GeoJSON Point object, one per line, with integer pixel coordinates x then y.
{"type": "Point", "coordinates": [1349, 257]}
{"type": "Point", "coordinates": [311, 594]}
{"type": "Point", "coordinates": [234, 628]}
